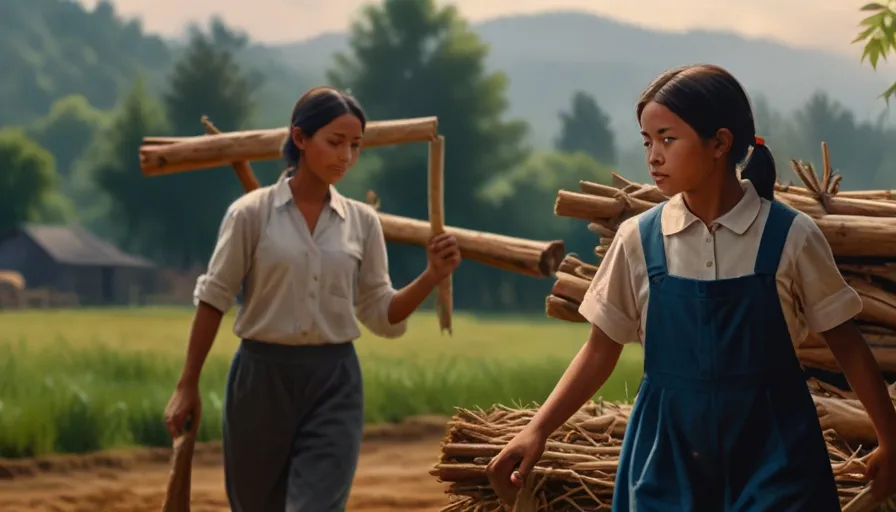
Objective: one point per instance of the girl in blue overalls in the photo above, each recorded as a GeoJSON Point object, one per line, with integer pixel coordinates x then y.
{"type": "Point", "coordinates": [718, 283]}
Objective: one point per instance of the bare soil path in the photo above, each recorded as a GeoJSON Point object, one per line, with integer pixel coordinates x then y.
{"type": "Point", "coordinates": [393, 475]}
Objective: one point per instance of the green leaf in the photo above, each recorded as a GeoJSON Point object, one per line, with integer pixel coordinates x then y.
{"type": "Point", "coordinates": [872, 52]}
{"type": "Point", "coordinates": [889, 93]}
{"type": "Point", "coordinates": [873, 6]}
{"type": "Point", "coordinates": [864, 34]}
{"type": "Point", "coordinates": [875, 20]}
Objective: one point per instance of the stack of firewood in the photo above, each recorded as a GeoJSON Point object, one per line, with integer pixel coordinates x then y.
{"type": "Point", "coordinates": [860, 227]}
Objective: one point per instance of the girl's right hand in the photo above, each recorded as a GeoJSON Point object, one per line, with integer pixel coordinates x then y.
{"type": "Point", "coordinates": [185, 405]}
{"type": "Point", "coordinates": [525, 449]}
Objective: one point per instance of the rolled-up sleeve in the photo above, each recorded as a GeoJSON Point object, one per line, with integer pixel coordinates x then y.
{"type": "Point", "coordinates": [229, 263]}
{"type": "Point", "coordinates": [826, 298]}
{"type": "Point", "coordinates": [610, 302]}
{"type": "Point", "coordinates": [375, 289]}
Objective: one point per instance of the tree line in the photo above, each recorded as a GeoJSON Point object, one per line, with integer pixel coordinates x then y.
{"type": "Point", "coordinates": [406, 58]}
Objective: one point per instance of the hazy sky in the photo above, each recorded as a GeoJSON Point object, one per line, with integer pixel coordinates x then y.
{"type": "Point", "coordinates": [828, 24]}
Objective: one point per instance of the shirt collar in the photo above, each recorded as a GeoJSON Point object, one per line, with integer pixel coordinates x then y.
{"type": "Point", "coordinates": [677, 217]}
{"type": "Point", "coordinates": [283, 196]}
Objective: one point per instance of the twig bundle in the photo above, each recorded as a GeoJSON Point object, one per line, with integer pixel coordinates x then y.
{"type": "Point", "coordinates": [578, 468]}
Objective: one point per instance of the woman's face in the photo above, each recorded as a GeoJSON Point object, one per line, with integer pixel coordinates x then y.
{"type": "Point", "coordinates": [333, 149]}
{"type": "Point", "coordinates": [677, 158]}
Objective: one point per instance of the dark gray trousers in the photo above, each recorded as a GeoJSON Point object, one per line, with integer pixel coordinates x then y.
{"type": "Point", "coordinates": [293, 420]}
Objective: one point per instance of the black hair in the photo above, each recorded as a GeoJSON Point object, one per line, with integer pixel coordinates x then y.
{"type": "Point", "coordinates": [708, 98]}
{"type": "Point", "coordinates": [315, 109]}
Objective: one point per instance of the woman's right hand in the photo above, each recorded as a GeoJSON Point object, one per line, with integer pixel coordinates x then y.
{"type": "Point", "coordinates": [185, 404]}
{"type": "Point", "coordinates": [525, 449]}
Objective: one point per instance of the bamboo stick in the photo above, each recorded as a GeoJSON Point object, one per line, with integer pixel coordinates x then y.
{"type": "Point", "coordinates": [168, 155]}
{"type": "Point", "coordinates": [444, 300]}
{"type": "Point", "coordinates": [518, 255]}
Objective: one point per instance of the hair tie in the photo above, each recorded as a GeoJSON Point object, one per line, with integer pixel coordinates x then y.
{"type": "Point", "coordinates": [760, 141]}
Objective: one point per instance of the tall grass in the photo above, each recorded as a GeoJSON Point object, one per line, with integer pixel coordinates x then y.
{"type": "Point", "coordinates": [79, 381]}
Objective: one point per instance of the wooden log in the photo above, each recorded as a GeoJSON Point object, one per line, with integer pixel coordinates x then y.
{"type": "Point", "coordinates": [883, 270]}
{"type": "Point", "coordinates": [570, 287]}
{"type": "Point", "coordinates": [809, 204]}
{"type": "Point", "coordinates": [590, 207]}
{"type": "Point", "coordinates": [846, 417]}
{"type": "Point", "coordinates": [171, 155]}
{"type": "Point", "coordinates": [575, 266]}
{"type": "Point", "coordinates": [242, 168]}
{"type": "Point", "coordinates": [180, 475]}
{"type": "Point", "coordinates": [444, 300]}
{"type": "Point", "coordinates": [848, 235]}
{"type": "Point", "coordinates": [824, 359]}
{"type": "Point", "coordinates": [562, 309]}
{"type": "Point", "coordinates": [859, 236]}
{"type": "Point", "coordinates": [601, 230]}
{"type": "Point", "coordinates": [875, 195]}
{"type": "Point", "coordinates": [508, 253]}
{"type": "Point", "coordinates": [878, 305]}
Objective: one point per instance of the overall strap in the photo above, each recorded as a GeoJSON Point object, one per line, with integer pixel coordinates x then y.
{"type": "Point", "coordinates": [774, 235]}
{"type": "Point", "coordinates": [650, 225]}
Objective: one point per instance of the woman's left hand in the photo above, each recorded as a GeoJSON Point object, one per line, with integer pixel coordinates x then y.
{"type": "Point", "coordinates": [882, 473]}
{"type": "Point", "coordinates": [443, 256]}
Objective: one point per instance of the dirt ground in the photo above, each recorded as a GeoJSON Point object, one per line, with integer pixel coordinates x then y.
{"type": "Point", "coordinates": [393, 475]}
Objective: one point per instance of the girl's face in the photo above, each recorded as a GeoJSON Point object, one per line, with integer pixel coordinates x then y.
{"type": "Point", "coordinates": [678, 159]}
{"type": "Point", "coordinates": [333, 149]}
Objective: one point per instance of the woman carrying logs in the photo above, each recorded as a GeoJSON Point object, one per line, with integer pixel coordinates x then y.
{"type": "Point", "coordinates": [305, 257]}
{"type": "Point", "coordinates": [718, 283]}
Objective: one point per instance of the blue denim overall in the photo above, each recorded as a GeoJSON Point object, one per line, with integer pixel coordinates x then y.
{"type": "Point", "coordinates": [723, 421]}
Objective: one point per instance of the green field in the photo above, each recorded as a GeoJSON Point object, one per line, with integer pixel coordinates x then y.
{"type": "Point", "coordinates": [81, 380]}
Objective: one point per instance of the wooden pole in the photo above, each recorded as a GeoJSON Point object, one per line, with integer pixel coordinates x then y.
{"type": "Point", "coordinates": [444, 299]}
{"type": "Point", "coordinates": [169, 155]}
{"type": "Point", "coordinates": [241, 168]}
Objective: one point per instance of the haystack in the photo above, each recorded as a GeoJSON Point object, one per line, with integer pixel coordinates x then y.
{"type": "Point", "coordinates": [578, 469]}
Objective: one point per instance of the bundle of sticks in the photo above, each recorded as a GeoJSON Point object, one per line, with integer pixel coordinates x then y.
{"type": "Point", "coordinates": [860, 227]}
{"type": "Point", "coordinates": [578, 468]}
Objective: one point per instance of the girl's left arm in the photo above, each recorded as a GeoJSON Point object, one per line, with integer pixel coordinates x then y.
{"type": "Point", "coordinates": [863, 374]}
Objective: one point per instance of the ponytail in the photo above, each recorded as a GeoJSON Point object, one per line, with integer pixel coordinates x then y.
{"type": "Point", "coordinates": [761, 172]}
{"type": "Point", "coordinates": [290, 152]}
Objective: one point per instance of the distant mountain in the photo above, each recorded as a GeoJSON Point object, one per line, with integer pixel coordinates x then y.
{"type": "Point", "coordinates": [56, 47]}
{"type": "Point", "coordinates": [550, 56]}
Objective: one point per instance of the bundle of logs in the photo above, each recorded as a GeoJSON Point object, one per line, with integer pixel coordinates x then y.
{"type": "Point", "coordinates": [578, 468]}
{"type": "Point", "coordinates": [860, 227]}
